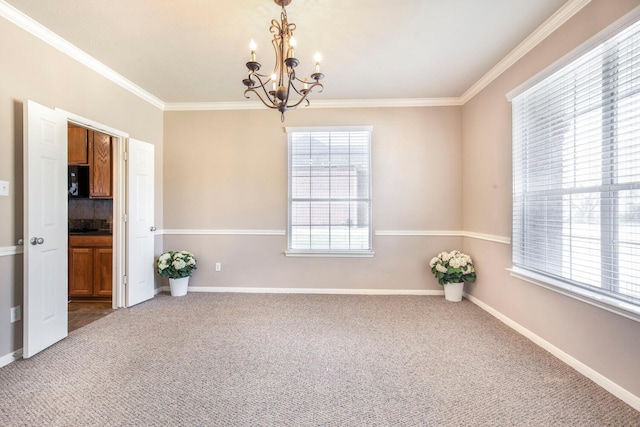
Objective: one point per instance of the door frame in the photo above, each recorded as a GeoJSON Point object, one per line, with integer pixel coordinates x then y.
{"type": "Point", "coordinates": [119, 200]}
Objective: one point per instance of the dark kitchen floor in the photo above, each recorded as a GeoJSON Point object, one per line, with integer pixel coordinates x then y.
{"type": "Point", "coordinates": [82, 313]}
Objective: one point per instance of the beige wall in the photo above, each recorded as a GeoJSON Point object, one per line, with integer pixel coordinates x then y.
{"type": "Point", "coordinates": [227, 170]}
{"type": "Point", "coordinates": [605, 342]}
{"type": "Point", "coordinates": [31, 69]}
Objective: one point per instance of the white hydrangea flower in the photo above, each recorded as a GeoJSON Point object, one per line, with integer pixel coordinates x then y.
{"type": "Point", "coordinates": [179, 264]}
{"type": "Point", "coordinates": [441, 268]}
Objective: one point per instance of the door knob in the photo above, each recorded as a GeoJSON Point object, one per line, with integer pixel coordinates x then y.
{"type": "Point", "coordinates": [20, 242]}
{"type": "Point", "coordinates": [33, 241]}
{"type": "Point", "coordinates": [40, 240]}
{"type": "Point", "coordinates": [152, 228]}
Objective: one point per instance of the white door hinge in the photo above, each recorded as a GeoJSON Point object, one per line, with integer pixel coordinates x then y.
{"type": "Point", "coordinates": [124, 218]}
{"type": "Point", "coordinates": [124, 280]}
{"type": "Point", "coordinates": [126, 156]}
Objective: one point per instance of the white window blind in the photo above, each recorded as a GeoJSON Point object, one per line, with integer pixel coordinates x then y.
{"type": "Point", "coordinates": [329, 189]}
{"type": "Point", "coordinates": [576, 173]}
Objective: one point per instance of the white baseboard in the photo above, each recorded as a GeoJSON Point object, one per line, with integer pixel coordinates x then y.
{"type": "Point", "coordinates": [604, 382]}
{"type": "Point", "coordinates": [11, 357]}
{"type": "Point", "coordinates": [310, 291]}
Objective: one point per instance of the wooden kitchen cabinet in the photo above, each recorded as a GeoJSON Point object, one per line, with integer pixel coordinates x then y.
{"type": "Point", "coordinates": [100, 165]}
{"type": "Point", "coordinates": [93, 149]}
{"type": "Point", "coordinates": [102, 268]}
{"type": "Point", "coordinates": [78, 145]}
{"type": "Point", "coordinates": [90, 266]}
{"type": "Point", "coordinates": [80, 272]}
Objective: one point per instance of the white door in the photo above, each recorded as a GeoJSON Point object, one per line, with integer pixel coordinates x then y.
{"type": "Point", "coordinates": [140, 223]}
{"type": "Point", "coordinates": [45, 228]}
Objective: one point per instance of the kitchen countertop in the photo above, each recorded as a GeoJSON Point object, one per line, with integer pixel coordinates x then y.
{"type": "Point", "coordinates": [91, 233]}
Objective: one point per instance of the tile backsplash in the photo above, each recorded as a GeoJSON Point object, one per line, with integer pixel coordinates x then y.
{"type": "Point", "coordinates": [90, 225]}
{"type": "Point", "coordinates": [91, 213]}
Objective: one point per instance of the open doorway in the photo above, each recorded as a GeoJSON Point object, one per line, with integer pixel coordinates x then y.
{"type": "Point", "coordinates": [132, 225]}
{"type": "Point", "coordinates": [90, 224]}
{"type": "Point", "coordinates": [113, 199]}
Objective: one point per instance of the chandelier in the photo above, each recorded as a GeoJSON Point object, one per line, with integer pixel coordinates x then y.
{"type": "Point", "coordinates": [281, 90]}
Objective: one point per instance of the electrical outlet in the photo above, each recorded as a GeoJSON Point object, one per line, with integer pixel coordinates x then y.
{"type": "Point", "coordinates": [16, 314]}
{"type": "Point", "coordinates": [4, 188]}
{"type": "Point", "coordinates": [218, 266]}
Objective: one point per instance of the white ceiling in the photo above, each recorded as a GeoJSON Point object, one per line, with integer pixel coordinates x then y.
{"type": "Point", "coordinates": [195, 50]}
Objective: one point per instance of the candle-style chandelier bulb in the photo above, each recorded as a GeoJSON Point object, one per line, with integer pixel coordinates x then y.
{"type": "Point", "coordinates": [280, 89]}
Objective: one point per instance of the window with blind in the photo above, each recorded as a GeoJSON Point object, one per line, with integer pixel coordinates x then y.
{"type": "Point", "coordinates": [329, 190]}
{"type": "Point", "coordinates": [576, 175]}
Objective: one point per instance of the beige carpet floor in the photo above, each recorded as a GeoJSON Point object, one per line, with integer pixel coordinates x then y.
{"type": "Point", "coordinates": [301, 360]}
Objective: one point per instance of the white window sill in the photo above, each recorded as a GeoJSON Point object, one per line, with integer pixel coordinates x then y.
{"type": "Point", "coordinates": [328, 254]}
{"type": "Point", "coordinates": [625, 309]}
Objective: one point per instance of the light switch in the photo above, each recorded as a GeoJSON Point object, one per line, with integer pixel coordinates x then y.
{"type": "Point", "coordinates": [4, 188]}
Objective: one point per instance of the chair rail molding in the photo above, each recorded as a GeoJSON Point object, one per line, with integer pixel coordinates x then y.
{"type": "Point", "coordinates": [10, 250]}
{"type": "Point", "coordinates": [237, 232]}
{"type": "Point", "coordinates": [446, 233]}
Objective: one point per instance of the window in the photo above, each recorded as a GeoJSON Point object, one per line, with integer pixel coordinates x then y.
{"type": "Point", "coordinates": [576, 175]}
{"type": "Point", "coordinates": [329, 190]}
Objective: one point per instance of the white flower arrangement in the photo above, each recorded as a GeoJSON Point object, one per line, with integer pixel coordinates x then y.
{"type": "Point", "coordinates": [453, 267]}
{"type": "Point", "coordinates": [176, 264]}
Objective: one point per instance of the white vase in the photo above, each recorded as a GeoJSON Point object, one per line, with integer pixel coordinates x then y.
{"type": "Point", "coordinates": [453, 291]}
{"type": "Point", "coordinates": [179, 286]}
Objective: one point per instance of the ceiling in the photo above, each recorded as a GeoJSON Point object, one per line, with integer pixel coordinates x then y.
{"type": "Point", "coordinates": [194, 51]}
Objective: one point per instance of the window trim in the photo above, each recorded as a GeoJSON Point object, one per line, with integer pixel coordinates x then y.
{"type": "Point", "coordinates": [329, 254]}
{"type": "Point", "coordinates": [612, 305]}
{"type": "Point", "coordinates": [338, 253]}
{"type": "Point", "coordinates": [608, 303]}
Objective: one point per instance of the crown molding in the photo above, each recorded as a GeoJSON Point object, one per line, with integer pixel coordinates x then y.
{"type": "Point", "coordinates": [566, 12]}
{"type": "Point", "coordinates": [329, 103]}
{"type": "Point", "coordinates": [23, 21]}
{"type": "Point", "coordinates": [213, 106]}
{"type": "Point", "coordinates": [386, 103]}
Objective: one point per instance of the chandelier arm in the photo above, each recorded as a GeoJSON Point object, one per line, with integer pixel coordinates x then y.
{"type": "Point", "coordinates": [299, 92]}
{"type": "Point", "coordinates": [266, 92]}
{"type": "Point", "coordinates": [313, 85]}
{"type": "Point", "coordinates": [272, 106]}
{"type": "Point", "coordinates": [319, 85]}
{"type": "Point", "coordinates": [296, 90]}
{"type": "Point", "coordinates": [304, 98]}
